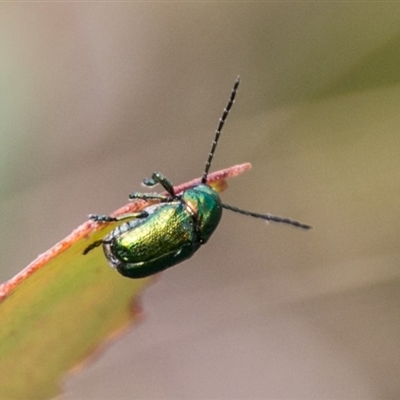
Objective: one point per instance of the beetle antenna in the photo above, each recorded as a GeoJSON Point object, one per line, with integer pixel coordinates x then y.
{"type": "Point", "coordinates": [267, 217]}
{"type": "Point", "coordinates": [219, 129]}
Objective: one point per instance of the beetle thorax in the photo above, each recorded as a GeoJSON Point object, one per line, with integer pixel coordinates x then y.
{"type": "Point", "coordinates": [205, 205]}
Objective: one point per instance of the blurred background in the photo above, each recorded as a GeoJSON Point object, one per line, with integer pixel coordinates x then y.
{"type": "Point", "coordinates": [96, 96]}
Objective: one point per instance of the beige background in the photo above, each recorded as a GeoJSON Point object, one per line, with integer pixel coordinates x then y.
{"type": "Point", "coordinates": [95, 96]}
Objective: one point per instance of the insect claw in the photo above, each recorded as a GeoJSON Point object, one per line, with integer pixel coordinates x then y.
{"type": "Point", "coordinates": [149, 182]}
{"type": "Point", "coordinates": [101, 218]}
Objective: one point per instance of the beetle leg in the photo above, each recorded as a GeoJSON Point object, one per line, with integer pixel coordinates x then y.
{"type": "Point", "coordinates": [148, 196]}
{"type": "Point", "coordinates": [107, 218]}
{"type": "Point", "coordinates": [92, 246]}
{"type": "Point", "coordinates": [158, 177]}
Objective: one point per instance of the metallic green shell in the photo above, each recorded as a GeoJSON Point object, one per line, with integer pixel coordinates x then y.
{"type": "Point", "coordinates": [172, 232]}
{"type": "Point", "coordinates": [206, 204]}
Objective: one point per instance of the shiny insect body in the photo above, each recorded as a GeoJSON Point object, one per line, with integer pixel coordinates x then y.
{"type": "Point", "coordinates": [172, 230]}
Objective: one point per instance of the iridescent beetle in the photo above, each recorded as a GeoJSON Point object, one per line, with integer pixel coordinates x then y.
{"type": "Point", "coordinates": [172, 230]}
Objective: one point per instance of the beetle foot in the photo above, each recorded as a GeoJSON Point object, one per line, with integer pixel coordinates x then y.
{"type": "Point", "coordinates": [102, 218]}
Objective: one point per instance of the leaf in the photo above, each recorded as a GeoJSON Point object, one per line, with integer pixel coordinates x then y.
{"type": "Point", "coordinates": [58, 310]}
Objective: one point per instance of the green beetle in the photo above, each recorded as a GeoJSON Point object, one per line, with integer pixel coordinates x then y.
{"type": "Point", "coordinates": [172, 230]}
